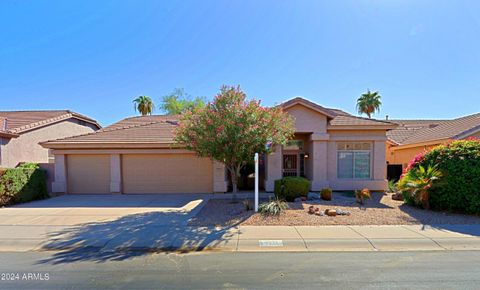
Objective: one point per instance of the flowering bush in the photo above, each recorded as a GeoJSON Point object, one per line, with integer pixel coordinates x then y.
{"type": "Point", "coordinates": [231, 129]}
{"type": "Point", "coordinates": [459, 163]}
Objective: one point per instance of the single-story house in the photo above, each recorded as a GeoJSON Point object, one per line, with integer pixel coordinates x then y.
{"type": "Point", "coordinates": [22, 131]}
{"type": "Point", "coordinates": [138, 155]}
{"type": "Point", "coordinates": [412, 137]}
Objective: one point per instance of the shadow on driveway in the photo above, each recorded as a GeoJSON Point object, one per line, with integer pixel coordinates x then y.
{"type": "Point", "coordinates": [131, 236]}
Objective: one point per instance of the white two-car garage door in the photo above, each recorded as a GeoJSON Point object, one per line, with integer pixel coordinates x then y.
{"type": "Point", "coordinates": [166, 173]}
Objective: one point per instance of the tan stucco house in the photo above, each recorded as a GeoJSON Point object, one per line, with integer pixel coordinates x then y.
{"type": "Point", "coordinates": [138, 155]}
{"type": "Point", "coordinates": [22, 131]}
{"type": "Point", "coordinates": [412, 137]}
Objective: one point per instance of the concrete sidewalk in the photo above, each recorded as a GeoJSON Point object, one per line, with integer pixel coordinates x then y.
{"type": "Point", "coordinates": [241, 239]}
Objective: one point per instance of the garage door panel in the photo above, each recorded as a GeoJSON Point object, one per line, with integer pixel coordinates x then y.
{"type": "Point", "coordinates": [166, 173]}
{"type": "Point", "coordinates": [88, 174]}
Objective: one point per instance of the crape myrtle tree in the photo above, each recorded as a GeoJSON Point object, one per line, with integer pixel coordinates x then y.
{"type": "Point", "coordinates": [231, 129]}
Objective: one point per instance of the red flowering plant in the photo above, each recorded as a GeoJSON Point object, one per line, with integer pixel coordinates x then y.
{"type": "Point", "coordinates": [231, 129]}
{"type": "Point", "coordinates": [416, 160]}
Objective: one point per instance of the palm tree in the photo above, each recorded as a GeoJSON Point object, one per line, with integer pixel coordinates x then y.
{"type": "Point", "coordinates": [418, 182]}
{"type": "Point", "coordinates": [369, 103]}
{"type": "Point", "coordinates": [144, 105]}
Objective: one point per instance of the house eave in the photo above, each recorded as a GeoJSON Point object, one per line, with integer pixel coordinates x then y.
{"type": "Point", "coordinates": [109, 145]}
{"type": "Point", "coordinates": [361, 127]}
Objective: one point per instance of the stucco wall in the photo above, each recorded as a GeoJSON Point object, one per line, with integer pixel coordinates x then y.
{"type": "Point", "coordinates": [308, 120]}
{"type": "Point", "coordinates": [322, 162]}
{"type": "Point", "coordinates": [403, 156]}
{"type": "Point", "coordinates": [25, 148]}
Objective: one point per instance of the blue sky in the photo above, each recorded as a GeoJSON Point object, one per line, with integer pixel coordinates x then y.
{"type": "Point", "coordinates": [94, 57]}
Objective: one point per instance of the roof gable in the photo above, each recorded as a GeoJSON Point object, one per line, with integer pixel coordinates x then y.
{"type": "Point", "coordinates": [17, 122]}
{"type": "Point", "coordinates": [309, 104]}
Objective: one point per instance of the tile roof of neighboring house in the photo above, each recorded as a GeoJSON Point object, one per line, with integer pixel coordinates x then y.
{"type": "Point", "coordinates": [418, 131]}
{"type": "Point", "coordinates": [16, 122]}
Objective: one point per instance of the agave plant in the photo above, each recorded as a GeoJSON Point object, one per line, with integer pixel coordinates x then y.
{"type": "Point", "coordinates": [273, 207]}
{"type": "Point", "coordinates": [418, 181]}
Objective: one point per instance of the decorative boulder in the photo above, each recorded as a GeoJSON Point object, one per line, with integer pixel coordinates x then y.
{"type": "Point", "coordinates": [342, 212]}
{"type": "Point", "coordinates": [311, 209]}
{"type": "Point", "coordinates": [313, 196]}
{"type": "Point", "coordinates": [331, 212]}
{"type": "Point", "coordinates": [397, 196]}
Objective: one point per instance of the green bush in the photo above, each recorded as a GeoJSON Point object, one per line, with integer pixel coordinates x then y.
{"type": "Point", "coordinates": [326, 193]}
{"type": "Point", "coordinates": [22, 184]}
{"type": "Point", "coordinates": [291, 187]}
{"type": "Point", "coordinates": [458, 190]}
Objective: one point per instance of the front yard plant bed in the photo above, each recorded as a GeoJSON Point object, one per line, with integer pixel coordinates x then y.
{"type": "Point", "coordinates": [379, 210]}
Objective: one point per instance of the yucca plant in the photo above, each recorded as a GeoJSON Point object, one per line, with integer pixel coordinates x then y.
{"type": "Point", "coordinates": [274, 207]}
{"type": "Point", "coordinates": [418, 181]}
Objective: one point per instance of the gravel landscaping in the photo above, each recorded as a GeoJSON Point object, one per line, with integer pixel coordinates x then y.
{"type": "Point", "coordinates": [380, 210]}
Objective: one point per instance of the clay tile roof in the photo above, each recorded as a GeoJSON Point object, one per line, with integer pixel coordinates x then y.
{"type": "Point", "coordinates": [142, 129]}
{"type": "Point", "coordinates": [15, 122]}
{"type": "Point", "coordinates": [337, 117]}
{"type": "Point", "coordinates": [451, 129]}
{"type": "Point", "coordinates": [343, 120]}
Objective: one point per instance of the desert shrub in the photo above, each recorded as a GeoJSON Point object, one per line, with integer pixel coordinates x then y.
{"type": "Point", "coordinates": [29, 165]}
{"type": "Point", "coordinates": [459, 186]}
{"type": "Point", "coordinates": [22, 185]}
{"type": "Point", "coordinates": [417, 182]}
{"type": "Point", "coordinates": [290, 187]}
{"type": "Point", "coordinates": [273, 207]}
{"type": "Point", "coordinates": [247, 205]}
{"type": "Point", "coordinates": [363, 194]}
{"type": "Point", "coordinates": [326, 193]}
{"type": "Point", "coordinates": [392, 186]}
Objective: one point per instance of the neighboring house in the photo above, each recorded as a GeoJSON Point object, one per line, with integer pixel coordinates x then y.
{"type": "Point", "coordinates": [412, 137]}
{"type": "Point", "coordinates": [138, 155]}
{"type": "Point", "coordinates": [22, 131]}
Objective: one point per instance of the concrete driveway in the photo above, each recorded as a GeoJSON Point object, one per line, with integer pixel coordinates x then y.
{"type": "Point", "coordinates": [87, 220]}
{"type": "Point", "coordinates": [69, 210]}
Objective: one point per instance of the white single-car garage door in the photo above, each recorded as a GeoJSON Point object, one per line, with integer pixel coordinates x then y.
{"type": "Point", "coordinates": [166, 173]}
{"type": "Point", "coordinates": [88, 173]}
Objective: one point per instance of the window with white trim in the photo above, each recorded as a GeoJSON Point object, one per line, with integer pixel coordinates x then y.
{"type": "Point", "coordinates": [353, 160]}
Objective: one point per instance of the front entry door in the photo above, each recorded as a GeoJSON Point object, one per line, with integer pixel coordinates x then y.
{"type": "Point", "coordinates": [290, 165]}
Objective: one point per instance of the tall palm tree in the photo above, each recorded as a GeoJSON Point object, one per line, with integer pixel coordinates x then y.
{"type": "Point", "coordinates": [369, 103]}
{"type": "Point", "coordinates": [144, 105]}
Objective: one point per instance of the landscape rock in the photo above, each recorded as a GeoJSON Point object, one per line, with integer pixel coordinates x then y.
{"type": "Point", "coordinates": [319, 213]}
{"type": "Point", "coordinates": [331, 212]}
{"type": "Point", "coordinates": [313, 196]}
{"type": "Point", "coordinates": [311, 209]}
{"type": "Point", "coordinates": [397, 196]}
{"type": "Point", "coordinates": [342, 212]}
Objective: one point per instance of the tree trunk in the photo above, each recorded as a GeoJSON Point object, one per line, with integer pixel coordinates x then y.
{"type": "Point", "coordinates": [234, 178]}
{"type": "Point", "coordinates": [425, 200]}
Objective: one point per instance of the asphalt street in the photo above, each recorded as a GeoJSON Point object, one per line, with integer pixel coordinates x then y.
{"type": "Point", "coordinates": [274, 270]}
